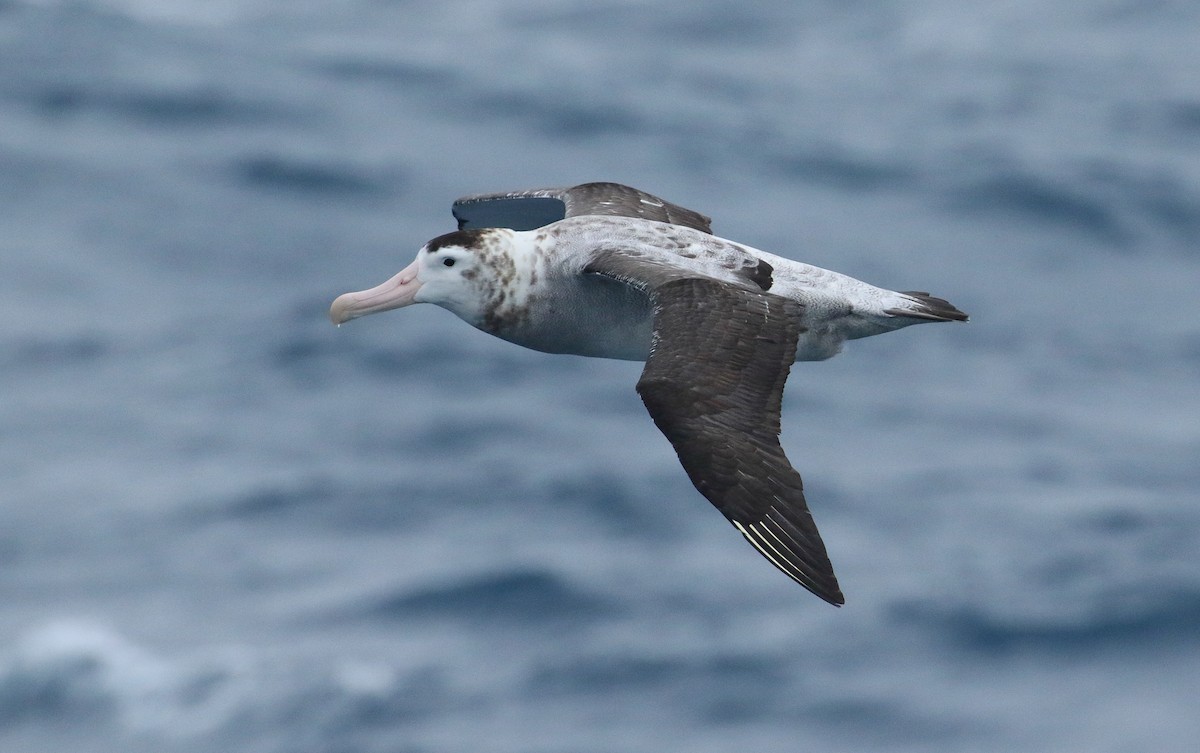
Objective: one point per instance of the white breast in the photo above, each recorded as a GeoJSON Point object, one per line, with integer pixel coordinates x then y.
{"type": "Point", "coordinates": [585, 315]}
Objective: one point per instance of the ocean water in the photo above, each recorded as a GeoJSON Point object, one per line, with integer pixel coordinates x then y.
{"type": "Point", "coordinates": [227, 525]}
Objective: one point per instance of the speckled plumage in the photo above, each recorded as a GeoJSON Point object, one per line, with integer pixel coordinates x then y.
{"type": "Point", "coordinates": [719, 324]}
{"type": "Point", "coordinates": [535, 292]}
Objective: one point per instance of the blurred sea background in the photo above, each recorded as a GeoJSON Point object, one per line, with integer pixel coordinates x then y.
{"type": "Point", "coordinates": [226, 525]}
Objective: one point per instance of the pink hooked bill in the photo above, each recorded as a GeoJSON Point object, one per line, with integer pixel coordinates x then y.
{"type": "Point", "coordinates": [399, 291]}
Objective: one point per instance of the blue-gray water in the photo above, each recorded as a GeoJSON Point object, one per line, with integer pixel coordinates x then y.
{"type": "Point", "coordinates": [226, 525]}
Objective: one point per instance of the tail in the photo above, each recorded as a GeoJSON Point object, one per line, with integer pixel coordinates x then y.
{"type": "Point", "coordinates": [927, 308]}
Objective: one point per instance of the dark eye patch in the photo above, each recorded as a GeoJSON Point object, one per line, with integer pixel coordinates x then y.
{"type": "Point", "coordinates": [448, 261]}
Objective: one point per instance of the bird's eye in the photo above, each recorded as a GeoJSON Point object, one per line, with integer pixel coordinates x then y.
{"type": "Point", "coordinates": [448, 261]}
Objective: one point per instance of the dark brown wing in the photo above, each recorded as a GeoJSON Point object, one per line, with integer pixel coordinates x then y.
{"type": "Point", "coordinates": [713, 385]}
{"type": "Point", "coordinates": [531, 209]}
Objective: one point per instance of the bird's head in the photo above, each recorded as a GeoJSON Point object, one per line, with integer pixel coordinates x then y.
{"type": "Point", "coordinates": [455, 271]}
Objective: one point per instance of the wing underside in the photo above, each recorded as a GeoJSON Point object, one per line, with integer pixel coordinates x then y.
{"type": "Point", "coordinates": [534, 208]}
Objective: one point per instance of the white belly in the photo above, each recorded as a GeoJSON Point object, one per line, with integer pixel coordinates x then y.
{"type": "Point", "coordinates": [598, 317]}
{"type": "Point", "coordinates": [594, 317]}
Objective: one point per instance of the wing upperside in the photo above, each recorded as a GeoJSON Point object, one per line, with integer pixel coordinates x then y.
{"type": "Point", "coordinates": [620, 200]}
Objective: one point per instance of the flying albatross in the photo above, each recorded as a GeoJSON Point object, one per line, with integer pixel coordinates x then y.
{"type": "Point", "coordinates": [606, 270]}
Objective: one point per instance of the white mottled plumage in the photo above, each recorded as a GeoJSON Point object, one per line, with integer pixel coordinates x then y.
{"type": "Point", "coordinates": [606, 270]}
{"type": "Point", "coordinates": [529, 287]}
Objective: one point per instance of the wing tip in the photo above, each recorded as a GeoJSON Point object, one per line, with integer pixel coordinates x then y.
{"type": "Point", "coordinates": [821, 583]}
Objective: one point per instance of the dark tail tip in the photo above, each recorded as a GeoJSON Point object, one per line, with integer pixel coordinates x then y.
{"type": "Point", "coordinates": [929, 308]}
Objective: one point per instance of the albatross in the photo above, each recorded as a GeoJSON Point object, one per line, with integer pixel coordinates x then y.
{"type": "Point", "coordinates": [607, 270]}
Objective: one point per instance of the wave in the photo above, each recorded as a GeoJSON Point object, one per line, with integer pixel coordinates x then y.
{"type": "Point", "coordinates": [630, 671]}
{"type": "Point", "coordinates": [57, 352]}
{"type": "Point", "coordinates": [292, 174]}
{"type": "Point", "coordinates": [836, 167]}
{"type": "Point", "coordinates": [82, 673]}
{"type": "Point", "coordinates": [1169, 615]}
{"type": "Point", "coordinates": [401, 74]}
{"type": "Point", "coordinates": [85, 687]}
{"type": "Point", "coordinates": [1115, 204]}
{"type": "Point", "coordinates": [201, 107]}
{"type": "Point", "coordinates": [513, 597]}
{"type": "Point", "coordinates": [1040, 199]}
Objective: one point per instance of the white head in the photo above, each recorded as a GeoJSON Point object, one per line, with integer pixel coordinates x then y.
{"type": "Point", "coordinates": [459, 271]}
